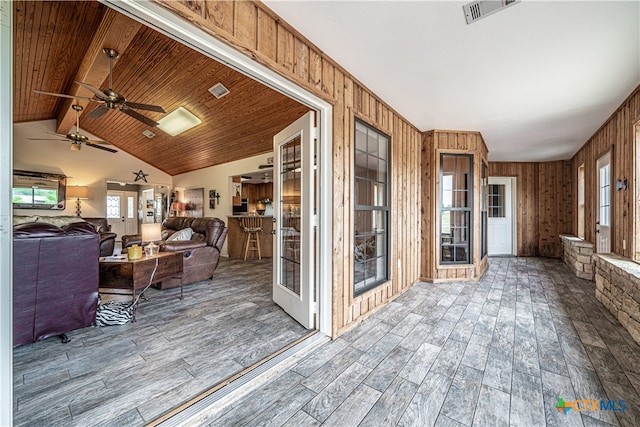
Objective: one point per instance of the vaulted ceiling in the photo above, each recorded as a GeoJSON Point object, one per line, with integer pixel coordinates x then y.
{"type": "Point", "coordinates": [57, 43]}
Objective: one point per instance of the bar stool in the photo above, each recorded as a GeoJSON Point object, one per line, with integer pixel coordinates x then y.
{"type": "Point", "coordinates": [252, 223]}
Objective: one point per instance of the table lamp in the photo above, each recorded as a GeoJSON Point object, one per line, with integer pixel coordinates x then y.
{"type": "Point", "coordinates": [77, 192]}
{"type": "Point", "coordinates": [151, 233]}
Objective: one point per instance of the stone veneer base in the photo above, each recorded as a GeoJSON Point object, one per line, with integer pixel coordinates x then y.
{"type": "Point", "coordinates": [577, 254]}
{"type": "Point", "coordinates": [618, 289]}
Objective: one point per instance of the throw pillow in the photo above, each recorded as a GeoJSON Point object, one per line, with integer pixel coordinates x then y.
{"type": "Point", "coordinates": [184, 234]}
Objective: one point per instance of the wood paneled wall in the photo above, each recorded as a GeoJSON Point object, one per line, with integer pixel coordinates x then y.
{"type": "Point", "coordinates": [616, 135]}
{"type": "Point", "coordinates": [543, 204]}
{"type": "Point", "coordinates": [434, 143]}
{"type": "Point", "coordinates": [254, 29]}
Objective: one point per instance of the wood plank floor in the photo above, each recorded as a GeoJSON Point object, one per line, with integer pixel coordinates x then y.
{"type": "Point", "coordinates": [500, 352]}
{"type": "Point", "coordinates": [128, 375]}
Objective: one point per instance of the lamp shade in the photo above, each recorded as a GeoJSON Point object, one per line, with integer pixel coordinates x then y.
{"type": "Point", "coordinates": [77, 192]}
{"type": "Point", "coordinates": [151, 232]}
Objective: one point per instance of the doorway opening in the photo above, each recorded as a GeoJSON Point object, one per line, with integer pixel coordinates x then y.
{"type": "Point", "coordinates": [314, 259]}
{"type": "Point", "coordinates": [501, 218]}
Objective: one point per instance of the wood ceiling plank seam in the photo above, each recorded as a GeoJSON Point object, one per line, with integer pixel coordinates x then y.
{"type": "Point", "coordinates": [33, 16]}
{"type": "Point", "coordinates": [21, 97]}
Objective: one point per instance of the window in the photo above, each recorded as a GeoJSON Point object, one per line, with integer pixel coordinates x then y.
{"type": "Point", "coordinates": [496, 201]}
{"type": "Point", "coordinates": [581, 201]}
{"type": "Point", "coordinates": [456, 203]}
{"type": "Point", "coordinates": [371, 208]}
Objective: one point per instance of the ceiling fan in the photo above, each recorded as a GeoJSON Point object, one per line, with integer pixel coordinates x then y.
{"type": "Point", "coordinates": [76, 138]}
{"type": "Point", "coordinates": [110, 99]}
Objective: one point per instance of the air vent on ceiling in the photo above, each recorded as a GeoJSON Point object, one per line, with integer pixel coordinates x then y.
{"type": "Point", "coordinates": [479, 9]}
{"type": "Point", "coordinates": [218, 90]}
{"type": "Point", "coordinates": [148, 133]}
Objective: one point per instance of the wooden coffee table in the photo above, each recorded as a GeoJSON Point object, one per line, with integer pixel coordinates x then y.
{"type": "Point", "coordinates": [137, 275]}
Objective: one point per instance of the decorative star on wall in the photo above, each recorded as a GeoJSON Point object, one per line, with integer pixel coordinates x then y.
{"type": "Point", "coordinates": [141, 175]}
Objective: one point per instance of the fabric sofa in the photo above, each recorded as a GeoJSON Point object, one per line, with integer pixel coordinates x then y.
{"type": "Point", "coordinates": [107, 238]}
{"type": "Point", "coordinates": [55, 279]}
{"type": "Point", "coordinates": [201, 250]}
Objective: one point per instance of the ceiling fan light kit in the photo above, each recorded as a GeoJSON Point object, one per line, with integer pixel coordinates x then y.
{"type": "Point", "coordinates": [109, 99]}
{"type": "Point", "coordinates": [76, 138]}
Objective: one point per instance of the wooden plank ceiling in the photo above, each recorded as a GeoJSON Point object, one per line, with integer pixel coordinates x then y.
{"type": "Point", "coordinates": [59, 42]}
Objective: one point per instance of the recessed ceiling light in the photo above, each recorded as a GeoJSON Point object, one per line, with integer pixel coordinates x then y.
{"type": "Point", "coordinates": [178, 121]}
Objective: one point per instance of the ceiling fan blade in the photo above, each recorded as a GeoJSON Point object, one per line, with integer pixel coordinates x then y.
{"type": "Point", "coordinates": [42, 92]}
{"type": "Point", "coordinates": [45, 139]}
{"type": "Point", "coordinates": [97, 92]}
{"type": "Point", "coordinates": [146, 120]}
{"type": "Point", "coordinates": [265, 166]}
{"type": "Point", "coordinates": [111, 150]}
{"type": "Point", "coordinates": [98, 112]}
{"type": "Point", "coordinates": [148, 107]}
{"type": "Point", "coordinates": [100, 142]}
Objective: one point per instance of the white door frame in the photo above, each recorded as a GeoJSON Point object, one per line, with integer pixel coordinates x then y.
{"type": "Point", "coordinates": [510, 210]}
{"type": "Point", "coordinates": [603, 231]}
{"type": "Point", "coordinates": [514, 212]}
{"type": "Point", "coordinates": [6, 212]}
{"type": "Point", "coordinates": [298, 304]}
{"type": "Point", "coordinates": [129, 225]}
{"type": "Point", "coordinates": [155, 16]}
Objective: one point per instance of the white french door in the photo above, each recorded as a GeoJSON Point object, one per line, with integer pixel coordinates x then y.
{"type": "Point", "coordinates": [294, 242]}
{"type": "Point", "coordinates": [500, 217]}
{"type": "Point", "coordinates": [603, 217]}
{"type": "Point", "coordinates": [122, 212]}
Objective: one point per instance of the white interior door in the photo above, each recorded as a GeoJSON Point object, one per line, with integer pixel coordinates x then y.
{"type": "Point", "coordinates": [293, 272]}
{"type": "Point", "coordinates": [121, 212]}
{"type": "Point", "coordinates": [500, 217]}
{"type": "Point", "coordinates": [603, 217]}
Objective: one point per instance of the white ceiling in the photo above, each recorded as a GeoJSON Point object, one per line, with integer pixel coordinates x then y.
{"type": "Point", "coordinates": [537, 79]}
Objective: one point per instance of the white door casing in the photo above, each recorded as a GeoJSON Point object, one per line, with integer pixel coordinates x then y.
{"type": "Point", "coordinates": [603, 214]}
{"type": "Point", "coordinates": [500, 217]}
{"type": "Point", "coordinates": [294, 254]}
{"type": "Point", "coordinates": [122, 212]}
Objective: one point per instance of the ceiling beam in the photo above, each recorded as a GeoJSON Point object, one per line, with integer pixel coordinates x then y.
{"type": "Point", "coordinates": [115, 31]}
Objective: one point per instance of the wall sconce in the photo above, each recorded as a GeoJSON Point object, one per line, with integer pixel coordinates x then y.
{"type": "Point", "coordinates": [621, 184]}
{"type": "Point", "coordinates": [77, 192]}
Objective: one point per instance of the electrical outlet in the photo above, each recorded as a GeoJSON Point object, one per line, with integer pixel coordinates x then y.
{"type": "Point", "coordinates": [624, 245]}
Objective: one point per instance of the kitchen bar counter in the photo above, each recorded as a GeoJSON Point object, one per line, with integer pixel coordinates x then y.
{"type": "Point", "coordinates": [237, 237]}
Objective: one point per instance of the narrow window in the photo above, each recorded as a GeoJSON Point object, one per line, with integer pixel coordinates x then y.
{"type": "Point", "coordinates": [455, 208]}
{"type": "Point", "coordinates": [581, 201]}
{"type": "Point", "coordinates": [371, 208]}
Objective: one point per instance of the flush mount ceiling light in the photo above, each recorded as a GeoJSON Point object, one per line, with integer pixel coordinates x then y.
{"type": "Point", "coordinates": [178, 121]}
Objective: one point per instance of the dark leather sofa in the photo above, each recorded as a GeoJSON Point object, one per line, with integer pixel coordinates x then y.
{"type": "Point", "coordinates": [107, 238]}
{"type": "Point", "coordinates": [201, 252]}
{"type": "Point", "coordinates": [55, 279]}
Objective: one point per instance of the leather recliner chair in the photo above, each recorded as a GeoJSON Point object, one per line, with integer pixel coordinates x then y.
{"type": "Point", "coordinates": [201, 252]}
{"type": "Point", "coordinates": [107, 238]}
{"type": "Point", "coordinates": [55, 279]}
